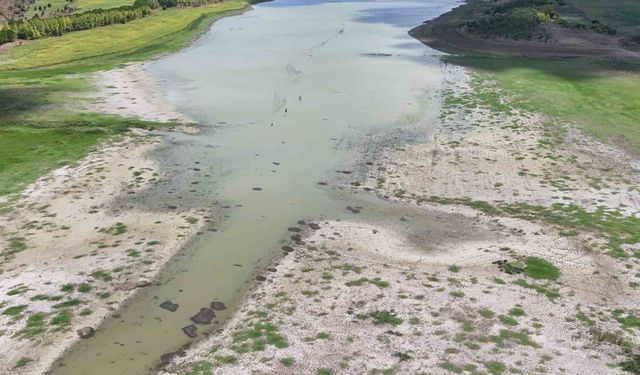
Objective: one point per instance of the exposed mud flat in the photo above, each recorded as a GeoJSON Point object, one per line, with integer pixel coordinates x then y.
{"type": "Point", "coordinates": [131, 91]}
{"type": "Point", "coordinates": [358, 297]}
{"type": "Point", "coordinates": [75, 250]}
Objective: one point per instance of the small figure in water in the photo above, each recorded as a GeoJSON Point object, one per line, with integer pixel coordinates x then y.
{"type": "Point", "coordinates": [285, 110]}
{"type": "Point", "coordinates": [300, 98]}
{"type": "Point", "coordinates": [272, 124]}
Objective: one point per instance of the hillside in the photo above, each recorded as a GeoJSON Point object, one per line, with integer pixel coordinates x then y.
{"type": "Point", "coordinates": [537, 28]}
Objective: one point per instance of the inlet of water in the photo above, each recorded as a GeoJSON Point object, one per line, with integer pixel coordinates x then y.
{"type": "Point", "coordinates": [287, 93]}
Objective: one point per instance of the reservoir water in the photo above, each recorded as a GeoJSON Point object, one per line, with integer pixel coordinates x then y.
{"type": "Point", "coordinates": [287, 94]}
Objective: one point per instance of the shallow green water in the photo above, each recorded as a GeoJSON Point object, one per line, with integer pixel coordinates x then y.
{"type": "Point", "coordinates": [287, 94]}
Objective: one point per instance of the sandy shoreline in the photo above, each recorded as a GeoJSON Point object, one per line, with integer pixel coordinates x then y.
{"type": "Point", "coordinates": [73, 252]}
{"type": "Point", "coordinates": [75, 233]}
{"type": "Point", "coordinates": [352, 297]}
{"type": "Point", "coordinates": [131, 91]}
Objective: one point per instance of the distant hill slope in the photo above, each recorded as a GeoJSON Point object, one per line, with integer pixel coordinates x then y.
{"type": "Point", "coordinates": [538, 28]}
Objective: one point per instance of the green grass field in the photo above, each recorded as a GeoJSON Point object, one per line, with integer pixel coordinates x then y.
{"type": "Point", "coordinates": [600, 98]}
{"type": "Point", "coordinates": [77, 5]}
{"type": "Point", "coordinates": [37, 132]}
{"type": "Point", "coordinates": [623, 15]}
{"type": "Point", "coordinates": [166, 30]}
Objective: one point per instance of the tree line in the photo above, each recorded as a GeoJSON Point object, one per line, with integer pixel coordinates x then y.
{"type": "Point", "coordinates": [37, 28]}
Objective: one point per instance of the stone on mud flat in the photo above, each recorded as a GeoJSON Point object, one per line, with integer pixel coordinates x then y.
{"type": "Point", "coordinates": [314, 226]}
{"type": "Point", "coordinates": [168, 305]}
{"type": "Point", "coordinates": [190, 330]}
{"type": "Point", "coordinates": [261, 278]}
{"type": "Point", "coordinates": [294, 229]}
{"type": "Point", "coordinates": [287, 249]}
{"type": "Point", "coordinates": [204, 316]}
{"type": "Point", "coordinates": [217, 305]}
{"type": "Point", "coordinates": [86, 332]}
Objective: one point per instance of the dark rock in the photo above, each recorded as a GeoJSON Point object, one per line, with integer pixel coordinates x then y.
{"type": "Point", "coordinates": [168, 305]}
{"type": "Point", "coordinates": [257, 189]}
{"type": "Point", "coordinates": [294, 229]}
{"type": "Point", "coordinates": [287, 249]}
{"type": "Point", "coordinates": [271, 269]}
{"type": "Point", "coordinates": [204, 316]}
{"type": "Point", "coordinates": [217, 305]}
{"type": "Point", "coordinates": [190, 330]}
{"type": "Point", "coordinates": [86, 332]}
{"type": "Point", "coordinates": [322, 183]}
{"type": "Point", "coordinates": [261, 278]}
{"type": "Point", "coordinates": [314, 226]}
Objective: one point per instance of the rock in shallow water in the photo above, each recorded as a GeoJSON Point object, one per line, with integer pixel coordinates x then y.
{"type": "Point", "coordinates": [86, 332]}
{"type": "Point", "coordinates": [168, 305]}
{"type": "Point", "coordinates": [204, 316]}
{"type": "Point", "coordinates": [190, 330]}
{"type": "Point", "coordinates": [217, 305]}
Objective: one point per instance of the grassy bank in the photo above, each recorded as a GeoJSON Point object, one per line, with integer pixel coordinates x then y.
{"type": "Point", "coordinates": [39, 82]}
{"type": "Point", "coordinates": [165, 31]}
{"type": "Point", "coordinates": [601, 97]}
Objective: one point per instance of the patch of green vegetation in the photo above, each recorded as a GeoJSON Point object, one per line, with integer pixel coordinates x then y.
{"type": "Point", "coordinates": [116, 229]}
{"type": "Point", "coordinates": [39, 297]}
{"type": "Point", "coordinates": [453, 268]}
{"type": "Point", "coordinates": [451, 367]}
{"type": "Point", "coordinates": [350, 267]}
{"type": "Point", "coordinates": [517, 311]}
{"type": "Point", "coordinates": [385, 317]}
{"type": "Point", "coordinates": [22, 362]}
{"type": "Point", "coordinates": [261, 335]}
{"type": "Point", "coordinates": [63, 318]}
{"type": "Point", "coordinates": [550, 293]}
{"type": "Point", "coordinates": [486, 313]}
{"type": "Point", "coordinates": [631, 362]}
{"type": "Point", "coordinates": [67, 288]}
{"type": "Point", "coordinates": [16, 245]}
{"type": "Point", "coordinates": [14, 310]}
{"type": "Point", "coordinates": [627, 321]}
{"type": "Point", "coordinates": [538, 268]}
{"type": "Point", "coordinates": [102, 275]}
{"type": "Point", "coordinates": [363, 280]}
{"type": "Point", "coordinates": [520, 337]}
{"type": "Point", "coordinates": [227, 359]}
{"type": "Point", "coordinates": [598, 95]}
{"type": "Point", "coordinates": [201, 368]}
{"type": "Point", "coordinates": [457, 294]}
{"type": "Point", "coordinates": [495, 367]}
{"type": "Point", "coordinates": [287, 361]}
{"type": "Point", "coordinates": [68, 303]}
{"type": "Point", "coordinates": [35, 326]}
{"type": "Point", "coordinates": [84, 288]}
{"type": "Point", "coordinates": [18, 290]}
{"type": "Point", "coordinates": [507, 320]}
{"type": "Point", "coordinates": [133, 253]}
{"type": "Point", "coordinates": [324, 371]}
